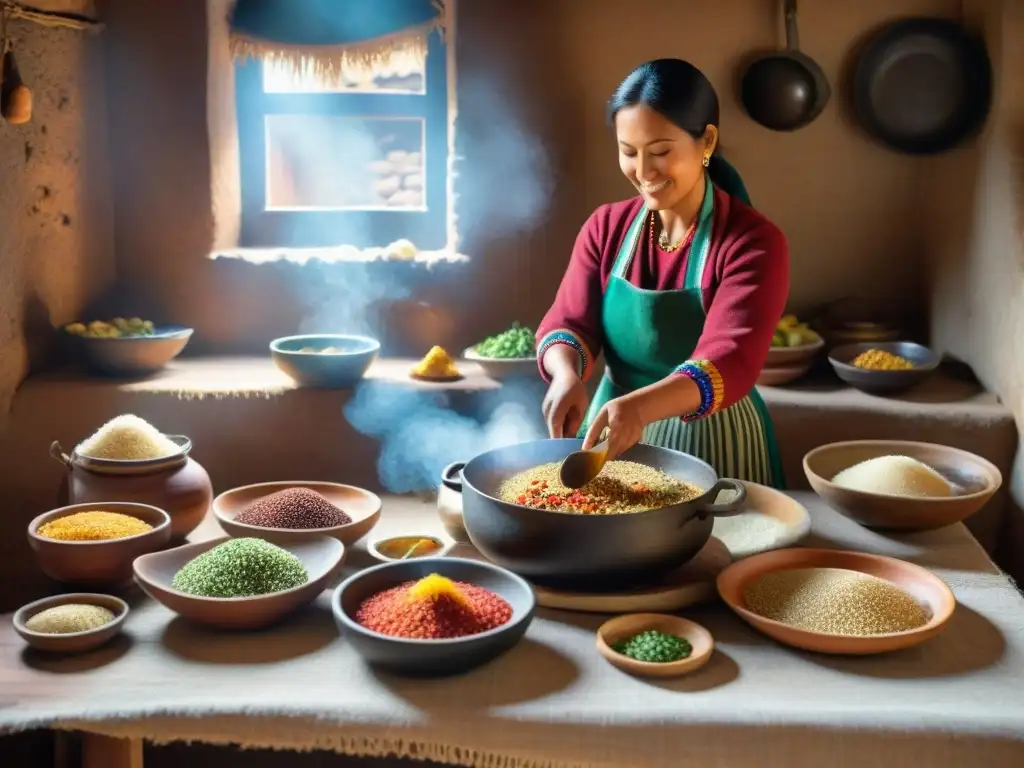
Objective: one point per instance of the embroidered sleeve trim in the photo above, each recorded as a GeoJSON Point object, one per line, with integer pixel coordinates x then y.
{"type": "Point", "coordinates": [709, 381]}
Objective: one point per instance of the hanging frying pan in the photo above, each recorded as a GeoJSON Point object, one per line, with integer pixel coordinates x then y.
{"type": "Point", "coordinates": [785, 90]}
{"type": "Point", "coordinates": [922, 86]}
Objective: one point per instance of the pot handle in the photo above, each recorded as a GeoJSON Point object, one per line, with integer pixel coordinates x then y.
{"type": "Point", "coordinates": [57, 454]}
{"type": "Point", "coordinates": [451, 477]}
{"type": "Point", "coordinates": [732, 507]}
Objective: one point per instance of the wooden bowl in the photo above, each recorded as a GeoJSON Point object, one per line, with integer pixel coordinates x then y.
{"type": "Point", "coordinates": [924, 586]}
{"type": "Point", "coordinates": [376, 546]}
{"type": "Point", "coordinates": [974, 478]}
{"type": "Point", "coordinates": [623, 627]}
{"type": "Point", "coordinates": [433, 657]}
{"type": "Point", "coordinates": [337, 370]}
{"type": "Point", "coordinates": [361, 505]}
{"type": "Point", "coordinates": [106, 562]}
{"type": "Point", "coordinates": [884, 382]}
{"type": "Point", "coordinates": [72, 642]}
{"type": "Point", "coordinates": [321, 555]}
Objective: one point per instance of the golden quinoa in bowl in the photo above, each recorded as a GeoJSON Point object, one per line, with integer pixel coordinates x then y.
{"type": "Point", "coordinates": [623, 487]}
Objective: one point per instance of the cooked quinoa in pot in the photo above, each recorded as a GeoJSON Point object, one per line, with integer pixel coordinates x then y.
{"type": "Point", "coordinates": [623, 487]}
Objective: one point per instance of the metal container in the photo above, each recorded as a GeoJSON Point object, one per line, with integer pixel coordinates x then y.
{"type": "Point", "coordinates": [590, 551]}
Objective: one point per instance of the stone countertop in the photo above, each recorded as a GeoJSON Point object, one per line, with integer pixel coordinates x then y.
{"type": "Point", "coordinates": [552, 702]}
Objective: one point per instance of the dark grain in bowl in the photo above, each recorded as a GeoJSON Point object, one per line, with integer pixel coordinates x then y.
{"type": "Point", "coordinates": [433, 657]}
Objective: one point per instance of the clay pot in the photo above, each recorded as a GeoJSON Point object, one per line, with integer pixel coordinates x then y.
{"type": "Point", "coordinates": [177, 484]}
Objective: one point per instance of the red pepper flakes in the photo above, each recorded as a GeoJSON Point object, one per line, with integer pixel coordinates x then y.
{"type": "Point", "coordinates": [391, 612]}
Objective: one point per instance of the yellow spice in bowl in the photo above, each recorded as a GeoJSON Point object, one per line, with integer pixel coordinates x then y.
{"type": "Point", "coordinates": [93, 525]}
{"type": "Point", "coordinates": [880, 360]}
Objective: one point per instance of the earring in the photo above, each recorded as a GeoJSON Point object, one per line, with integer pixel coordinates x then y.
{"type": "Point", "coordinates": [707, 160]}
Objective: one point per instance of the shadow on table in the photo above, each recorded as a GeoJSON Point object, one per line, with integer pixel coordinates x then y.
{"type": "Point", "coordinates": [969, 643]}
{"type": "Point", "coordinates": [302, 633]}
{"type": "Point", "coordinates": [62, 665]}
{"type": "Point", "coordinates": [720, 670]}
{"type": "Point", "coordinates": [500, 683]}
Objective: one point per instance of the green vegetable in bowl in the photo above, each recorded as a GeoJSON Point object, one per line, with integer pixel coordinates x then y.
{"type": "Point", "coordinates": [655, 647]}
{"type": "Point", "coordinates": [517, 341]}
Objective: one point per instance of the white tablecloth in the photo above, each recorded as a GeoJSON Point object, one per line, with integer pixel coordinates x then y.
{"type": "Point", "coordinates": [552, 702]}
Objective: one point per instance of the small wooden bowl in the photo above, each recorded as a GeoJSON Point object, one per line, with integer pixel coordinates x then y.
{"type": "Point", "coordinates": [72, 642]}
{"type": "Point", "coordinates": [321, 555]}
{"type": "Point", "coordinates": [105, 562]}
{"type": "Point", "coordinates": [623, 627]}
{"type": "Point", "coordinates": [976, 478]}
{"type": "Point", "coordinates": [924, 586]}
{"type": "Point", "coordinates": [374, 547]}
{"type": "Point", "coordinates": [778, 375]}
{"type": "Point", "coordinates": [789, 356]}
{"type": "Point", "coordinates": [361, 505]}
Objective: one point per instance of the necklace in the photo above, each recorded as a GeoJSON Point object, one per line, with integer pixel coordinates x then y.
{"type": "Point", "coordinates": [663, 242]}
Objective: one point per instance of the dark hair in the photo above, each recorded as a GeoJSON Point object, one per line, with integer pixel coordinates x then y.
{"type": "Point", "coordinates": [681, 93]}
{"type": "Point", "coordinates": [672, 87]}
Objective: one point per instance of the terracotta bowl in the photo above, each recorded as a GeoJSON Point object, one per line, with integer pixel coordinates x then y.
{"type": "Point", "coordinates": [321, 555]}
{"type": "Point", "coordinates": [377, 548]}
{"type": "Point", "coordinates": [884, 382]}
{"type": "Point", "coordinates": [788, 356]}
{"type": "Point", "coordinates": [73, 642]}
{"type": "Point", "coordinates": [361, 505]}
{"type": "Point", "coordinates": [778, 375]}
{"type": "Point", "coordinates": [623, 627]}
{"type": "Point", "coordinates": [975, 481]}
{"type": "Point", "coordinates": [106, 562]}
{"type": "Point", "coordinates": [432, 658]}
{"type": "Point", "coordinates": [925, 587]}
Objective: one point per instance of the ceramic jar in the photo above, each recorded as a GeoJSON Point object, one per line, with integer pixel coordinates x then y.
{"type": "Point", "coordinates": [177, 484]}
{"type": "Point", "coordinates": [449, 502]}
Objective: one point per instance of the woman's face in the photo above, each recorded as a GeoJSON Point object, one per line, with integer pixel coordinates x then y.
{"type": "Point", "coordinates": [658, 157]}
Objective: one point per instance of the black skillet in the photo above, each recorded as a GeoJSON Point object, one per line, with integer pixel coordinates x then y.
{"type": "Point", "coordinates": [785, 90]}
{"type": "Point", "coordinates": [922, 86]}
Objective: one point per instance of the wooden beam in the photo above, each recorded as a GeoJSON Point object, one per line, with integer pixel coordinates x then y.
{"type": "Point", "coordinates": [109, 752]}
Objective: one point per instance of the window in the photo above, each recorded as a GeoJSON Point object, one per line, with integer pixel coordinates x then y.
{"type": "Point", "coordinates": [359, 162]}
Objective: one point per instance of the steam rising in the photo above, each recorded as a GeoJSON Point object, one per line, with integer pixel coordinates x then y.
{"type": "Point", "coordinates": [343, 301]}
{"type": "Point", "coordinates": [420, 433]}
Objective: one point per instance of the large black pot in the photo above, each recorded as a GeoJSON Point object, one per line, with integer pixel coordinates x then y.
{"type": "Point", "coordinates": [588, 551]}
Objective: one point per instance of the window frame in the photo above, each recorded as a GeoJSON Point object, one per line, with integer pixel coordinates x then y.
{"type": "Point", "coordinates": [263, 228]}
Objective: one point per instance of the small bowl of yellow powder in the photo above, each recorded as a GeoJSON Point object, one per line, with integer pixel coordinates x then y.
{"type": "Point", "coordinates": [838, 602]}
{"type": "Point", "coordinates": [96, 543]}
{"type": "Point", "coordinates": [883, 367]}
{"type": "Point", "coordinates": [900, 484]}
{"type": "Point", "coordinates": [71, 623]}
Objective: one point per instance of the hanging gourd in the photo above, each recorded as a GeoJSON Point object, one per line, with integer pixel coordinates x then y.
{"type": "Point", "coordinates": [15, 97]}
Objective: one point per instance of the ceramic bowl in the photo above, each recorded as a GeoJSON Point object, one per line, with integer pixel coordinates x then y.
{"type": "Point", "coordinates": [925, 587]}
{"type": "Point", "coordinates": [378, 548]}
{"type": "Point", "coordinates": [339, 369]}
{"type": "Point", "coordinates": [361, 505]}
{"type": "Point", "coordinates": [884, 382]}
{"type": "Point", "coordinates": [106, 562]}
{"type": "Point", "coordinates": [790, 356]}
{"type": "Point", "coordinates": [499, 368]}
{"type": "Point", "coordinates": [792, 522]}
{"type": "Point", "coordinates": [72, 642]}
{"type": "Point", "coordinates": [131, 355]}
{"type": "Point", "coordinates": [975, 480]}
{"type": "Point", "coordinates": [622, 628]}
{"type": "Point", "coordinates": [433, 657]}
{"type": "Point", "coordinates": [321, 555]}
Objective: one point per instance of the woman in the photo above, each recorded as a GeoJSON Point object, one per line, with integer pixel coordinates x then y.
{"type": "Point", "coordinates": [681, 288]}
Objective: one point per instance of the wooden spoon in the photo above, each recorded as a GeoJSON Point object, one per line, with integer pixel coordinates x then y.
{"type": "Point", "coordinates": [580, 467]}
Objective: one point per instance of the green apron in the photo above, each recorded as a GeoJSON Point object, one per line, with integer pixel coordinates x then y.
{"type": "Point", "coordinates": [647, 334]}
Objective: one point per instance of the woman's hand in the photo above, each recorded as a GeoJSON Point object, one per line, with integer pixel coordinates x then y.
{"type": "Point", "coordinates": [565, 404]}
{"type": "Point", "coordinates": [625, 426]}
